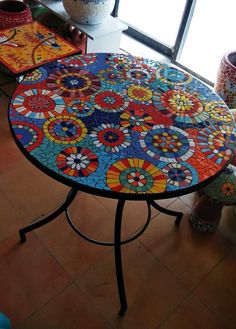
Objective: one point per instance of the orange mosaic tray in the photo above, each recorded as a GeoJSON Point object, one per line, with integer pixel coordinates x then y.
{"type": "Point", "coordinates": [30, 45]}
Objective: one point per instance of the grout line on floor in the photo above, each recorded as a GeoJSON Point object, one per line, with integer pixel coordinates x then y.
{"type": "Point", "coordinates": [174, 309]}
{"type": "Point", "coordinates": [217, 315]}
{"type": "Point", "coordinates": [45, 304]}
{"type": "Point", "coordinates": [210, 271]}
{"type": "Point", "coordinates": [95, 304]}
{"type": "Point", "coordinates": [162, 264]}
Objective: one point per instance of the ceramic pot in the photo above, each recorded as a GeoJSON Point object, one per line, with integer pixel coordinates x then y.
{"type": "Point", "coordinates": [4, 322]}
{"type": "Point", "coordinates": [13, 13]}
{"type": "Point", "coordinates": [88, 11]}
{"type": "Point", "coordinates": [206, 215]}
{"type": "Point", "coordinates": [225, 85]}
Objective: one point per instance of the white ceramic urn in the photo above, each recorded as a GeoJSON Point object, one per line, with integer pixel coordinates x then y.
{"type": "Point", "coordinates": [88, 11]}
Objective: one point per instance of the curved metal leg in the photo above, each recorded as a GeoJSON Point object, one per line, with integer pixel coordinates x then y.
{"type": "Point", "coordinates": [118, 260]}
{"type": "Point", "coordinates": [70, 197]}
{"type": "Point", "coordinates": [177, 214]}
{"type": "Point", "coordinates": [133, 237]}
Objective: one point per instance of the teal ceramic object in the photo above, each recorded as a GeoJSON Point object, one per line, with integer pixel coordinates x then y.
{"type": "Point", "coordinates": [4, 322]}
{"type": "Point", "coordinates": [223, 188]}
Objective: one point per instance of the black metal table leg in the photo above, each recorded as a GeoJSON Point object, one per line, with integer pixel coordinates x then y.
{"type": "Point", "coordinates": [70, 197]}
{"type": "Point", "coordinates": [118, 259]}
{"type": "Point", "coordinates": [117, 243]}
{"type": "Point", "coordinates": [177, 214]}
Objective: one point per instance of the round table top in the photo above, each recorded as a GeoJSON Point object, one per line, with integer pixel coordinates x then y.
{"type": "Point", "coordinates": [121, 126]}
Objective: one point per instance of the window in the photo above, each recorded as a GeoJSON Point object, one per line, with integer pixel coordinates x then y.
{"type": "Point", "coordinates": [210, 36]}
{"type": "Point", "coordinates": [194, 34]}
{"type": "Point", "coordinates": [154, 17]}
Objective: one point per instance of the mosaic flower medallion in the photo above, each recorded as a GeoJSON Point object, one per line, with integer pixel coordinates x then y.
{"type": "Point", "coordinates": [38, 103]}
{"type": "Point", "coordinates": [77, 161]}
{"type": "Point", "coordinates": [111, 138]}
{"type": "Point", "coordinates": [181, 106]}
{"type": "Point", "coordinates": [109, 101]}
{"type": "Point", "coordinates": [213, 144]}
{"type": "Point", "coordinates": [70, 82]}
{"type": "Point", "coordinates": [180, 175]}
{"type": "Point", "coordinates": [137, 118]}
{"type": "Point", "coordinates": [29, 135]}
{"type": "Point", "coordinates": [173, 76]}
{"type": "Point", "coordinates": [140, 93]}
{"type": "Point", "coordinates": [64, 129]}
{"type": "Point", "coordinates": [168, 144]}
{"type": "Point", "coordinates": [135, 176]}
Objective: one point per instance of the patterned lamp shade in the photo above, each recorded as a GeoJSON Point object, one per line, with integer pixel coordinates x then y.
{"type": "Point", "coordinates": [223, 188]}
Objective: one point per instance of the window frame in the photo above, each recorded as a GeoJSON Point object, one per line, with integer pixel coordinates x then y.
{"type": "Point", "coordinates": [173, 53]}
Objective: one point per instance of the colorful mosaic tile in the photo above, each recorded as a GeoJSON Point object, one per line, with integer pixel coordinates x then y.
{"type": "Point", "coordinates": [27, 46]}
{"type": "Point", "coordinates": [122, 125]}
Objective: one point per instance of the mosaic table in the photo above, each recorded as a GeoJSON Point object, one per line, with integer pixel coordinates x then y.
{"type": "Point", "coordinates": [30, 45]}
{"type": "Point", "coordinates": [121, 127]}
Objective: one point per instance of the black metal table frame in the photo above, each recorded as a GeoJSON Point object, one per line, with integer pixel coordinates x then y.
{"type": "Point", "coordinates": [117, 243]}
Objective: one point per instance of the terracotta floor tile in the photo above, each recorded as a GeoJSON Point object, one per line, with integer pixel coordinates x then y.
{"type": "Point", "coordinates": [134, 215]}
{"type": "Point", "coordinates": [192, 314]}
{"type": "Point", "coordinates": [187, 253]}
{"type": "Point", "coordinates": [71, 309]}
{"type": "Point", "coordinates": [73, 252]}
{"type": "Point", "coordinates": [10, 221]}
{"type": "Point", "coordinates": [29, 277]}
{"type": "Point", "coordinates": [109, 204]}
{"type": "Point", "coordinates": [166, 202]}
{"type": "Point", "coordinates": [218, 290]}
{"type": "Point", "coordinates": [152, 292]}
{"type": "Point", "coordinates": [32, 192]}
{"type": "Point", "coordinates": [11, 157]}
{"type": "Point", "coordinates": [133, 207]}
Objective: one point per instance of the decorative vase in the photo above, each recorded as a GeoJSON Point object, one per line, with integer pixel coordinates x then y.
{"type": "Point", "coordinates": [13, 13]}
{"type": "Point", "coordinates": [206, 215]}
{"type": "Point", "coordinates": [225, 85]}
{"type": "Point", "coordinates": [88, 11]}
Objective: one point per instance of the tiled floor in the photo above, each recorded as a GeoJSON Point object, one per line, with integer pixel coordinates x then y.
{"type": "Point", "coordinates": [176, 278]}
